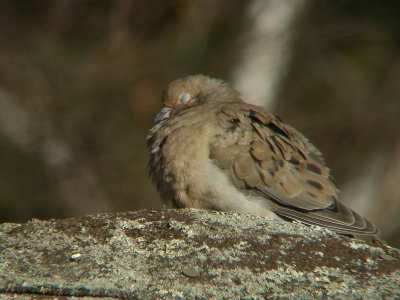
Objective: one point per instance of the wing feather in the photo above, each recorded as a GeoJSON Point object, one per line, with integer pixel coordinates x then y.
{"type": "Point", "coordinates": [275, 161]}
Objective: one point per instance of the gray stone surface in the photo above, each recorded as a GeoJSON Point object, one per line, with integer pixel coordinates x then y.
{"type": "Point", "coordinates": [187, 254]}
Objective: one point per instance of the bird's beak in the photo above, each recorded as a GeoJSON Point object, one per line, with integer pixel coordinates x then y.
{"type": "Point", "coordinates": [163, 114]}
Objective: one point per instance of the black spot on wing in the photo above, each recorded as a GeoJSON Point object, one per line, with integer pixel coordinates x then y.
{"type": "Point", "coordinates": [315, 184]}
{"type": "Point", "coordinates": [312, 195]}
{"type": "Point", "coordinates": [235, 124]}
{"type": "Point", "coordinates": [276, 129]}
{"type": "Point", "coordinates": [314, 168]}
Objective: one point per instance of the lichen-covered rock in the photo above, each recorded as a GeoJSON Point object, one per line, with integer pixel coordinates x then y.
{"type": "Point", "coordinates": [187, 254]}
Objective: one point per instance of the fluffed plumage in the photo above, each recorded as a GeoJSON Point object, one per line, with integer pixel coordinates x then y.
{"type": "Point", "coordinates": [210, 150]}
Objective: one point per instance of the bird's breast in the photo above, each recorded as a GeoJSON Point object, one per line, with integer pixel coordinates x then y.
{"type": "Point", "coordinates": [179, 157]}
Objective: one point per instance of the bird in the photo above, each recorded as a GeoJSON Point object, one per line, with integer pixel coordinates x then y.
{"type": "Point", "coordinates": [208, 149]}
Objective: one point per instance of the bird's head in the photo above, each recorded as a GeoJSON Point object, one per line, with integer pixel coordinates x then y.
{"type": "Point", "coordinates": [194, 90]}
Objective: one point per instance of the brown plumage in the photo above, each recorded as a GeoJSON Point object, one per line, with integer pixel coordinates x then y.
{"type": "Point", "coordinates": [210, 150]}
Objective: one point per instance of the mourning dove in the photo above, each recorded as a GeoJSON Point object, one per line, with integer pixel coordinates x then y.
{"type": "Point", "coordinates": [210, 150]}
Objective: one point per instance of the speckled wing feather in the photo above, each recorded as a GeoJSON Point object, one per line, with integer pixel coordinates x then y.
{"type": "Point", "coordinates": [262, 155]}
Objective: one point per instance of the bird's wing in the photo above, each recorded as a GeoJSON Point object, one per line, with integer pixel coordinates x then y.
{"type": "Point", "coordinates": [261, 154]}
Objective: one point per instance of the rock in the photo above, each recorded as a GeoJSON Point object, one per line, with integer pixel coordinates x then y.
{"type": "Point", "coordinates": [188, 254]}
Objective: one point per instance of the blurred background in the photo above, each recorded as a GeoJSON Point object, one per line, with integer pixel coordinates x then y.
{"type": "Point", "coordinates": [81, 80]}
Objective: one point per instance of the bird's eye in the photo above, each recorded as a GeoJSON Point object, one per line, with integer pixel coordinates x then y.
{"type": "Point", "coordinates": [184, 98]}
